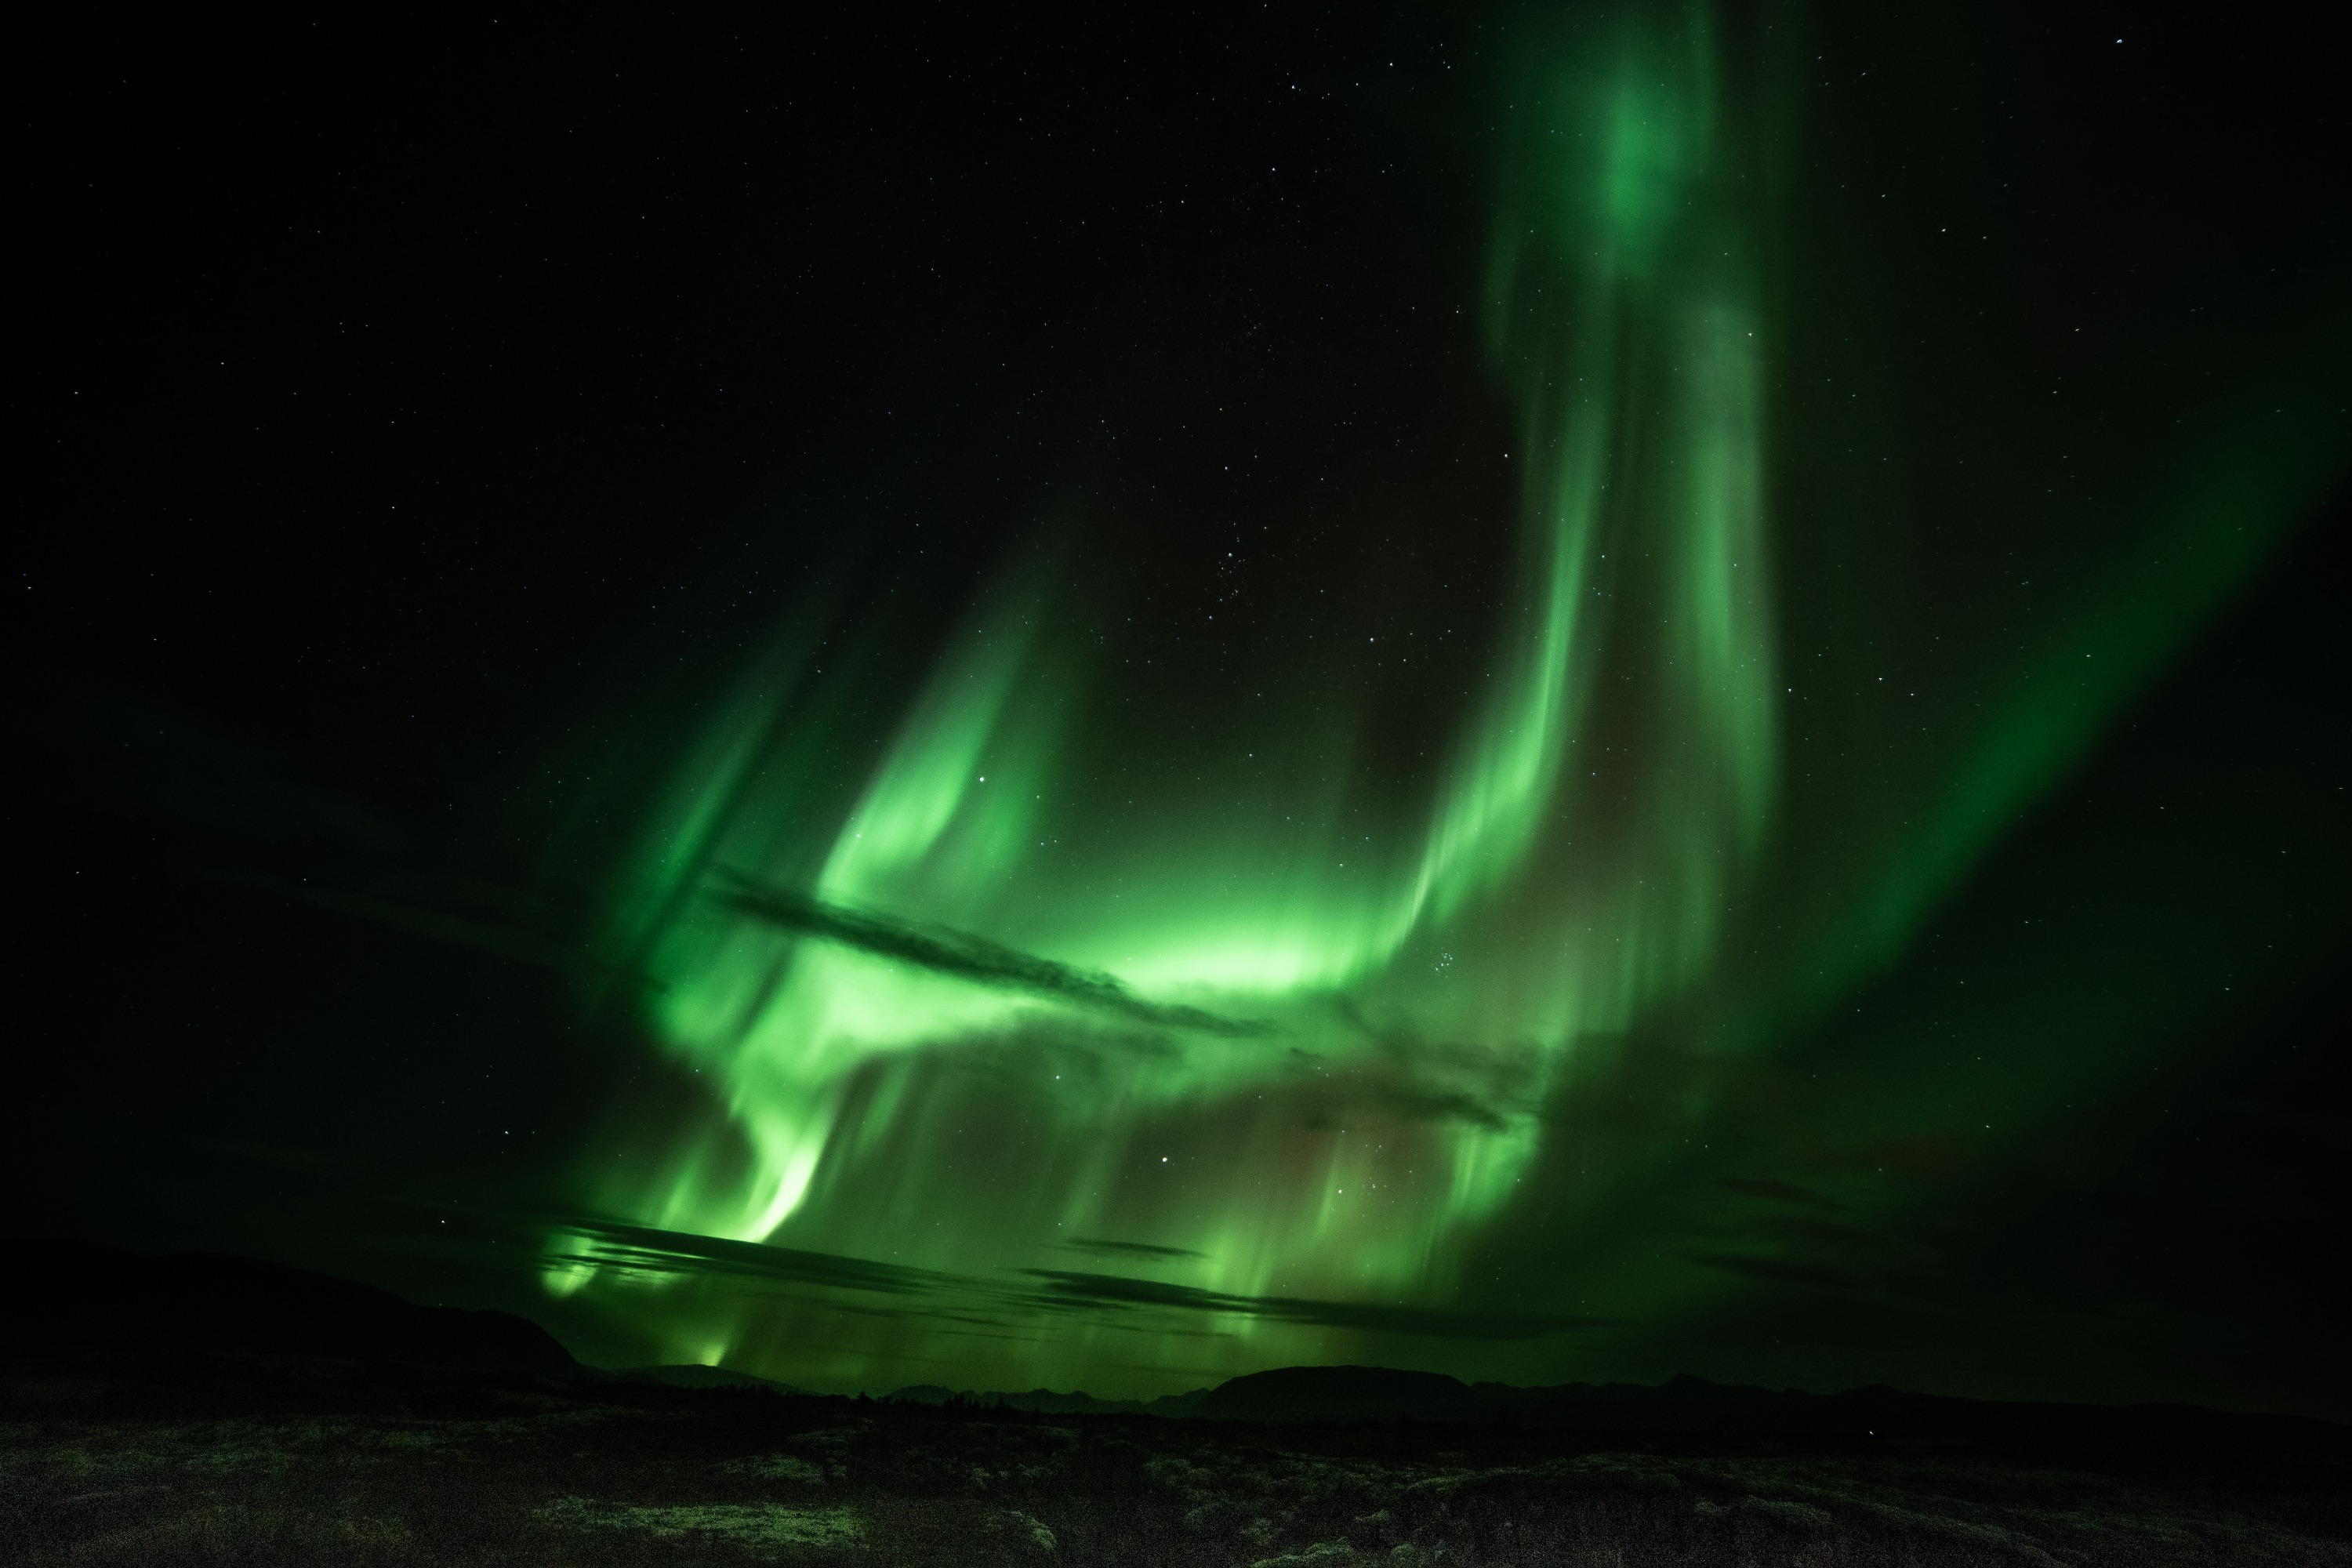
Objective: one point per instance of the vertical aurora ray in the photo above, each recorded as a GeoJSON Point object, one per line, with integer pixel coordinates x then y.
{"type": "Point", "coordinates": [1003, 975]}
{"type": "Point", "coordinates": [1621, 311]}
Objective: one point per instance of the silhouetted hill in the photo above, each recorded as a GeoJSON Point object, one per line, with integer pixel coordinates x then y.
{"type": "Point", "coordinates": [1693, 1409]}
{"type": "Point", "coordinates": [82, 1302]}
{"type": "Point", "coordinates": [1338, 1394]}
{"type": "Point", "coordinates": [1690, 1407]}
{"type": "Point", "coordinates": [697, 1376]}
{"type": "Point", "coordinates": [78, 1299]}
{"type": "Point", "coordinates": [1045, 1402]}
{"type": "Point", "coordinates": [205, 1409]}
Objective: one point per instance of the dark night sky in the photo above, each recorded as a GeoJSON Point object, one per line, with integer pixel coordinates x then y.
{"type": "Point", "coordinates": [428, 431]}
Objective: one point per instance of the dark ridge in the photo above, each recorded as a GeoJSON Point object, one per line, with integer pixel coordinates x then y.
{"type": "Point", "coordinates": [1338, 1393]}
{"type": "Point", "coordinates": [1047, 1402]}
{"type": "Point", "coordinates": [698, 1377]}
{"type": "Point", "coordinates": [1689, 1407]}
{"type": "Point", "coordinates": [70, 1300]}
{"type": "Point", "coordinates": [928, 1394]}
{"type": "Point", "coordinates": [76, 1303]}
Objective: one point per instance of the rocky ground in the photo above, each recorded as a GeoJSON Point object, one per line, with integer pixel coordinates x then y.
{"type": "Point", "coordinates": [315, 1464]}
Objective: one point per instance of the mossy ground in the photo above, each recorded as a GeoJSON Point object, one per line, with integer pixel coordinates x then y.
{"type": "Point", "coordinates": [401, 1473]}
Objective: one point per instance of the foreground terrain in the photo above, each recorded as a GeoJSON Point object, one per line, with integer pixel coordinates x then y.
{"type": "Point", "coordinates": [208, 1409]}
{"type": "Point", "coordinates": [314, 1462]}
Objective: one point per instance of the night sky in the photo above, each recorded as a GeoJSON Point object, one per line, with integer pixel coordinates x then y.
{"type": "Point", "coordinates": [1553, 693]}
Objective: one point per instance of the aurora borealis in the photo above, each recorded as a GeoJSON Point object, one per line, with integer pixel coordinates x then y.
{"type": "Point", "coordinates": [1361, 1011]}
{"type": "Point", "coordinates": [1552, 693]}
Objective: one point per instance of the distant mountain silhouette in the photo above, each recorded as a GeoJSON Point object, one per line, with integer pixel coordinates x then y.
{"type": "Point", "coordinates": [1694, 1408]}
{"type": "Point", "coordinates": [80, 1303]}
{"type": "Point", "coordinates": [78, 1299]}
{"type": "Point", "coordinates": [697, 1376]}
{"type": "Point", "coordinates": [1689, 1406]}
{"type": "Point", "coordinates": [1045, 1402]}
{"type": "Point", "coordinates": [1338, 1393]}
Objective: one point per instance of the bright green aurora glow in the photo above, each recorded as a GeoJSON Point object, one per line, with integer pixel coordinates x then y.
{"type": "Point", "coordinates": [1034, 982]}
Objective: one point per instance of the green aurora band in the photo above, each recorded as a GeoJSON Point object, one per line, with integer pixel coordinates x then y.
{"type": "Point", "coordinates": [1036, 983]}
